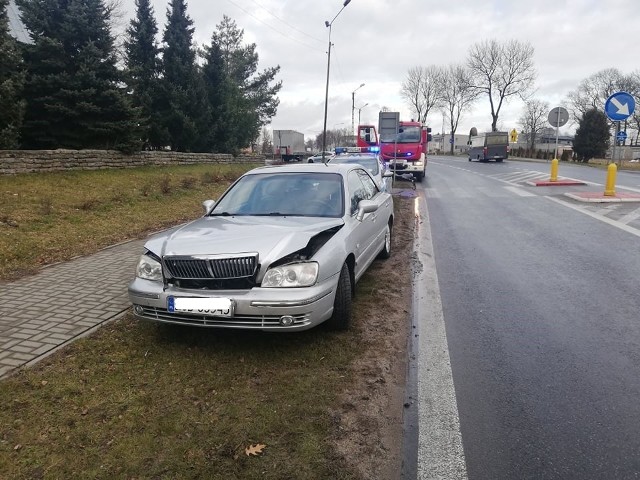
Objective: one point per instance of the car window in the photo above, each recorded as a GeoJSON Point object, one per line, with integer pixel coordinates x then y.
{"type": "Point", "coordinates": [369, 185]}
{"type": "Point", "coordinates": [286, 194]}
{"type": "Point", "coordinates": [357, 189]}
{"type": "Point", "coordinates": [369, 162]}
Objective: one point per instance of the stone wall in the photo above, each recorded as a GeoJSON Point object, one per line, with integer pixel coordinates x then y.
{"type": "Point", "coordinates": [29, 161]}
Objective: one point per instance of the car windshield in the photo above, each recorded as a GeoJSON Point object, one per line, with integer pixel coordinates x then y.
{"type": "Point", "coordinates": [409, 134]}
{"type": "Point", "coordinates": [368, 162]}
{"type": "Point", "coordinates": [284, 194]}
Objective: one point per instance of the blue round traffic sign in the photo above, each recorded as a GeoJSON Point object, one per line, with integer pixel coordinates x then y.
{"type": "Point", "coordinates": [620, 106]}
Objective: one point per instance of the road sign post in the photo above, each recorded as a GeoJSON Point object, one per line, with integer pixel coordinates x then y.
{"type": "Point", "coordinates": [618, 107]}
{"type": "Point", "coordinates": [558, 117]}
{"type": "Point", "coordinates": [388, 124]}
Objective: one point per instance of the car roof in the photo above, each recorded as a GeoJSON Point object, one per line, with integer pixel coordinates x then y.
{"type": "Point", "coordinates": [340, 168]}
{"type": "Point", "coordinates": [352, 156]}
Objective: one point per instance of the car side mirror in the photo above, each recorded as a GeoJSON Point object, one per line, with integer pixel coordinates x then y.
{"type": "Point", "coordinates": [208, 205]}
{"type": "Point", "coordinates": [387, 174]}
{"type": "Point", "coordinates": [364, 207]}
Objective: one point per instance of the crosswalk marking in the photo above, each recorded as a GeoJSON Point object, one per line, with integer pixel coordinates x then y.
{"type": "Point", "coordinates": [494, 192]}
{"type": "Point", "coordinates": [520, 191]}
{"type": "Point", "coordinates": [630, 217]}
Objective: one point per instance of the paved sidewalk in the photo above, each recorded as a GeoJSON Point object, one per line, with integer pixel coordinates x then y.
{"type": "Point", "coordinates": [40, 313]}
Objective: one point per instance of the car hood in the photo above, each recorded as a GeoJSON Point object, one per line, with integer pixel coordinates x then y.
{"type": "Point", "coordinates": [271, 237]}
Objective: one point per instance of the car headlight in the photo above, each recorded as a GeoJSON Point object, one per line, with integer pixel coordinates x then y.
{"type": "Point", "coordinates": [292, 275]}
{"type": "Point", "coordinates": [149, 269]}
{"type": "Point", "coordinates": [418, 164]}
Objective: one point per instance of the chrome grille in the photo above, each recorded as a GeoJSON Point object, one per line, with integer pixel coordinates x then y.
{"type": "Point", "coordinates": [216, 268]}
{"type": "Point", "coordinates": [237, 321]}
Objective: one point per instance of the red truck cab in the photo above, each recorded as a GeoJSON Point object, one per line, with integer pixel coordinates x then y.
{"type": "Point", "coordinates": [407, 151]}
{"type": "Point", "coordinates": [367, 136]}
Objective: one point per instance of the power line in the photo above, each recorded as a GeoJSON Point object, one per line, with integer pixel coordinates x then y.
{"type": "Point", "coordinates": [286, 23]}
{"type": "Point", "coordinates": [273, 28]}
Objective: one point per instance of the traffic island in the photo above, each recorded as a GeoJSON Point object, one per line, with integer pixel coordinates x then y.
{"type": "Point", "coordinates": [600, 197]}
{"type": "Point", "coordinates": [558, 183]}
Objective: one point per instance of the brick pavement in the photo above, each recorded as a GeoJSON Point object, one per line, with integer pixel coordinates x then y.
{"type": "Point", "coordinates": [38, 314]}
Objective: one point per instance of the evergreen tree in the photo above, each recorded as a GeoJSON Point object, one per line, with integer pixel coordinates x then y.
{"type": "Point", "coordinates": [249, 99]}
{"type": "Point", "coordinates": [11, 84]}
{"type": "Point", "coordinates": [143, 68]}
{"type": "Point", "coordinates": [592, 136]}
{"type": "Point", "coordinates": [74, 93]}
{"type": "Point", "coordinates": [184, 109]}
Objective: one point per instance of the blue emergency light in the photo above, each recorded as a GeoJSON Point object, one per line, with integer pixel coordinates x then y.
{"type": "Point", "coordinates": [339, 150]}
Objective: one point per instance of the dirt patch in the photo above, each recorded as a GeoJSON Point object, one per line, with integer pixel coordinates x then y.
{"type": "Point", "coordinates": [369, 423]}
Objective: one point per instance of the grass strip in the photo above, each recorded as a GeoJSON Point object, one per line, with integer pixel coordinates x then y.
{"type": "Point", "coordinates": [52, 217]}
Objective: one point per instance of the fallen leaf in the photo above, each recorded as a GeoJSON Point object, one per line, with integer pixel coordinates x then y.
{"type": "Point", "coordinates": [254, 449]}
{"type": "Point", "coordinates": [44, 382]}
{"type": "Point", "coordinates": [18, 447]}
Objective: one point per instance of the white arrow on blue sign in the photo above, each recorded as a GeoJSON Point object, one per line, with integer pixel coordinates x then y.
{"type": "Point", "coordinates": [619, 106]}
{"type": "Point", "coordinates": [621, 136]}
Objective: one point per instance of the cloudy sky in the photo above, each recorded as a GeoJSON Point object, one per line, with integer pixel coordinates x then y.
{"type": "Point", "coordinates": [375, 42]}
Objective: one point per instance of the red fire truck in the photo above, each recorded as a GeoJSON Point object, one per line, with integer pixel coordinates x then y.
{"type": "Point", "coordinates": [405, 152]}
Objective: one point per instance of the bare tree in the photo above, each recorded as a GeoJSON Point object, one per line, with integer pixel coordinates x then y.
{"type": "Point", "coordinates": [266, 141]}
{"type": "Point", "coordinates": [533, 120]}
{"type": "Point", "coordinates": [335, 138]}
{"type": "Point", "coordinates": [458, 94]}
{"type": "Point", "coordinates": [635, 118]}
{"type": "Point", "coordinates": [501, 71]}
{"type": "Point", "coordinates": [422, 90]}
{"type": "Point", "coordinates": [594, 91]}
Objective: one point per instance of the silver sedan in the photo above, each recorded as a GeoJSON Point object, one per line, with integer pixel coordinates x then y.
{"type": "Point", "coordinates": [372, 162]}
{"type": "Point", "coordinates": [281, 250]}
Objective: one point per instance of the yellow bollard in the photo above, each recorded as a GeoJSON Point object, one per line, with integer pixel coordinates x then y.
{"type": "Point", "coordinates": [610, 185]}
{"type": "Point", "coordinates": [554, 170]}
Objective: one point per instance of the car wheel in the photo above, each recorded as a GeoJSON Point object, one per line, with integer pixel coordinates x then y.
{"type": "Point", "coordinates": [386, 249]}
{"type": "Point", "coordinates": [469, 158]}
{"type": "Point", "coordinates": [419, 177]}
{"type": "Point", "coordinates": [341, 318]}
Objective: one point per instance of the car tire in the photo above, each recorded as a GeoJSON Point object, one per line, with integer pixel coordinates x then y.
{"type": "Point", "coordinates": [386, 248]}
{"type": "Point", "coordinates": [341, 318]}
{"type": "Point", "coordinates": [419, 177]}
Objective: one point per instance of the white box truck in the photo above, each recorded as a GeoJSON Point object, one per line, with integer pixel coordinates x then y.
{"type": "Point", "coordinates": [288, 145]}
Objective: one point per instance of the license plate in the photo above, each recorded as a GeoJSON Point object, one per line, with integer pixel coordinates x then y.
{"type": "Point", "coordinates": [213, 307]}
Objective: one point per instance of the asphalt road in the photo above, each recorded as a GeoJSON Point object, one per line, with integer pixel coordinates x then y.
{"type": "Point", "coordinates": [541, 307]}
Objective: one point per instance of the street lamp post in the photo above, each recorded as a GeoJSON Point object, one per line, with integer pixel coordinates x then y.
{"type": "Point", "coordinates": [353, 106]}
{"type": "Point", "coordinates": [359, 110]}
{"type": "Point", "coordinates": [326, 93]}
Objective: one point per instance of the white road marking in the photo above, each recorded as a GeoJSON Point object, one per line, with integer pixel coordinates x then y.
{"type": "Point", "coordinates": [609, 221]}
{"type": "Point", "coordinates": [521, 177]}
{"type": "Point", "coordinates": [630, 217]}
{"type": "Point", "coordinates": [440, 451]}
{"type": "Point", "coordinates": [523, 192]}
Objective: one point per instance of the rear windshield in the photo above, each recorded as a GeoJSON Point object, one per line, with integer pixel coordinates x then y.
{"type": "Point", "coordinates": [498, 139]}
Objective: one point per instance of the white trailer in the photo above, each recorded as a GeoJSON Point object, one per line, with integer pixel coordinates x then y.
{"type": "Point", "coordinates": [288, 145]}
